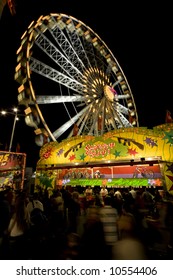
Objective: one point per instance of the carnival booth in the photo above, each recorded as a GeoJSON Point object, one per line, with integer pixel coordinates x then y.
{"type": "Point", "coordinates": [12, 170]}
{"type": "Point", "coordinates": [120, 158]}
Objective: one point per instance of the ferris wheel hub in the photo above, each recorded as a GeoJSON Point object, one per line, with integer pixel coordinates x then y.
{"type": "Point", "coordinates": [109, 93]}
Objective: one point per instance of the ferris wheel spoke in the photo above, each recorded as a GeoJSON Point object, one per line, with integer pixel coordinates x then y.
{"type": "Point", "coordinates": [119, 118]}
{"type": "Point", "coordinates": [124, 121]}
{"type": "Point", "coordinates": [83, 122]}
{"type": "Point", "coordinates": [123, 96]}
{"type": "Point", "coordinates": [111, 116]}
{"type": "Point", "coordinates": [54, 75]}
{"type": "Point", "coordinates": [58, 33]}
{"type": "Point", "coordinates": [57, 56]}
{"type": "Point", "coordinates": [91, 55]}
{"type": "Point", "coordinates": [95, 124]}
{"type": "Point", "coordinates": [117, 82]}
{"type": "Point", "coordinates": [121, 108]}
{"type": "Point", "coordinates": [44, 99]}
{"type": "Point", "coordinates": [75, 34]}
{"type": "Point", "coordinates": [83, 43]}
{"type": "Point", "coordinates": [68, 124]}
{"type": "Point", "coordinates": [101, 118]}
{"type": "Point", "coordinates": [82, 46]}
{"type": "Point", "coordinates": [78, 126]}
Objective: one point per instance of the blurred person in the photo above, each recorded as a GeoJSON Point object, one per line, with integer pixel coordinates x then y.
{"type": "Point", "coordinates": [111, 192]}
{"type": "Point", "coordinates": [92, 246]}
{"type": "Point", "coordinates": [66, 195]}
{"type": "Point", "coordinates": [157, 196]}
{"type": "Point", "coordinates": [74, 212]}
{"type": "Point", "coordinates": [126, 221]}
{"type": "Point", "coordinates": [103, 191]}
{"type": "Point", "coordinates": [129, 245]}
{"type": "Point", "coordinates": [72, 247]}
{"type": "Point", "coordinates": [109, 217]}
{"type": "Point", "coordinates": [11, 197]}
{"type": "Point", "coordinates": [88, 191]}
{"type": "Point", "coordinates": [89, 195]}
{"type": "Point", "coordinates": [118, 200]}
{"type": "Point", "coordinates": [34, 202]}
{"type": "Point", "coordinates": [118, 194]}
{"type": "Point", "coordinates": [46, 203]}
{"type": "Point", "coordinates": [148, 199]}
{"type": "Point", "coordinates": [98, 200]}
{"type": "Point", "coordinates": [39, 226]}
{"type": "Point", "coordinates": [133, 192]}
{"type": "Point", "coordinates": [57, 201]}
{"type": "Point", "coordinates": [139, 203]}
{"type": "Point", "coordinates": [127, 197]}
{"type": "Point", "coordinates": [57, 212]}
{"type": "Point", "coordinates": [18, 230]}
{"type": "Point", "coordinates": [129, 248]}
{"type": "Point", "coordinates": [5, 213]}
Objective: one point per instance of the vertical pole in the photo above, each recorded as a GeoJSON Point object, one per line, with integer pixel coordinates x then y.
{"type": "Point", "coordinates": [12, 133]}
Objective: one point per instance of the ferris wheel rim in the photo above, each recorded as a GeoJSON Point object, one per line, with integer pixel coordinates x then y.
{"type": "Point", "coordinates": [77, 77]}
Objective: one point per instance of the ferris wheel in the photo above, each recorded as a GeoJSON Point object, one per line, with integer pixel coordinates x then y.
{"type": "Point", "coordinates": [70, 82]}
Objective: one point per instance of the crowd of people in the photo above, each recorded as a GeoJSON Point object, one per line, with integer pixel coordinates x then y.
{"type": "Point", "coordinates": [86, 223]}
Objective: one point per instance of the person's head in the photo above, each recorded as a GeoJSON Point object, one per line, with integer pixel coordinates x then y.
{"type": "Point", "coordinates": [75, 195]}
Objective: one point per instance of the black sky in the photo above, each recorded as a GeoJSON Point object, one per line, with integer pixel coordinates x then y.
{"type": "Point", "coordinates": [139, 35]}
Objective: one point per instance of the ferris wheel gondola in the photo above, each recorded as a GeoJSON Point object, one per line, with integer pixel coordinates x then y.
{"type": "Point", "coordinates": [70, 81]}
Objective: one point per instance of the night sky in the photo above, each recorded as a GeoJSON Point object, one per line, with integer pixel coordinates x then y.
{"type": "Point", "coordinates": [139, 36]}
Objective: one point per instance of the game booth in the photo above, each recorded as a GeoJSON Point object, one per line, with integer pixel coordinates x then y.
{"type": "Point", "coordinates": [121, 158]}
{"type": "Point", "coordinates": [12, 170]}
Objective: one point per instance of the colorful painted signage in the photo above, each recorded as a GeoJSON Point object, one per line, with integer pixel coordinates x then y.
{"type": "Point", "coordinates": [12, 169]}
{"type": "Point", "coordinates": [114, 148]}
